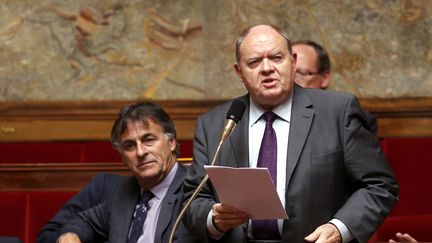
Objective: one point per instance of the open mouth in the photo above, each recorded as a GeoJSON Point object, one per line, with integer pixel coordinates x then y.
{"type": "Point", "coordinates": [269, 82]}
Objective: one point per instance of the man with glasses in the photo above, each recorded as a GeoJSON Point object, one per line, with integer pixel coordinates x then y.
{"type": "Point", "coordinates": [313, 65]}
{"type": "Point", "coordinates": [313, 71]}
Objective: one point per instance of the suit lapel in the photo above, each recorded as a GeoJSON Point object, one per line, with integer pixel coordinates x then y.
{"type": "Point", "coordinates": [165, 215]}
{"type": "Point", "coordinates": [239, 138]}
{"type": "Point", "coordinates": [302, 114]}
{"type": "Point", "coordinates": [127, 199]}
{"type": "Point", "coordinates": [169, 202]}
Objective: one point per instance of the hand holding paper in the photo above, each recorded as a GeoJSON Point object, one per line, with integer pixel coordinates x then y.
{"type": "Point", "coordinates": [248, 189]}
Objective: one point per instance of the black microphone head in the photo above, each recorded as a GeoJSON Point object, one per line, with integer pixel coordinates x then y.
{"type": "Point", "coordinates": [236, 110]}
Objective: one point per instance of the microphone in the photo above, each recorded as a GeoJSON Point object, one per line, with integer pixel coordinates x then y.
{"type": "Point", "coordinates": [234, 115]}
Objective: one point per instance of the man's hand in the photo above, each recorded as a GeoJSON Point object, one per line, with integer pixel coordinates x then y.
{"type": "Point", "coordinates": [226, 217]}
{"type": "Point", "coordinates": [326, 233]}
{"type": "Point", "coordinates": [403, 238]}
{"type": "Point", "coordinates": [68, 238]}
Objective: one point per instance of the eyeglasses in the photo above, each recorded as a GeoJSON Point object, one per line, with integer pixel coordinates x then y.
{"type": "Point", "coordinates": [300, 74]}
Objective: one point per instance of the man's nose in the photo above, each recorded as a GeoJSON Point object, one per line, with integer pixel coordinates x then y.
{"type": "Point", "coordinates": [267, 66]}
{"type": "Point", "coordinates": [141, 149]}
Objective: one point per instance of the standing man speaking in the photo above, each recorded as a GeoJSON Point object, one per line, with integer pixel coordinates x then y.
{"type": "Point", "coordinates": [328, 169]}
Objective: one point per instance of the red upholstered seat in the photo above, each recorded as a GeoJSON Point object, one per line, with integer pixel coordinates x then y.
{"type": "Point", "coordinates": [411, 161]}
{"type": "Point", "coordinates": [99, 152]}
{"type": "Point", "coordinates": [13, 210]}
{"type": "Point", "coordinates": [40, 152]}
{"type": "Point", "coordinates": [418, 226]}
{"type": "Point", "coordinates": [42, 207]}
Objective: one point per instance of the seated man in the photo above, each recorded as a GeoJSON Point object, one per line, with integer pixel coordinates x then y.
{"type": "Point", "coordinates": [143, 207]}
{"type": "Point", "coordinates": [97, 191]}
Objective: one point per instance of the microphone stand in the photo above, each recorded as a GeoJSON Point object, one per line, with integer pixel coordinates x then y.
{"type": "Point", "coordinates": [197, 190]}
{"type": "Point", "coordinates": [234, 115]}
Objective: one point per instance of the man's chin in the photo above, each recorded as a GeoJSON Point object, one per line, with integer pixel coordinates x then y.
{"type": "Point", "coordinates": [272, 98]}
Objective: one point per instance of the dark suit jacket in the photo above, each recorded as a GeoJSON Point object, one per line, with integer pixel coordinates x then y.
{"type": "Point", "coordinates": [111, 219]}
{"type": "Point", "coordinates": [10, 240]}
{"type": "Point", "coordinates": [335, 167]}
{"type": "Point", "coordinates": [372, 122]}
{"type": "Point", "coordinates": [98, 190]}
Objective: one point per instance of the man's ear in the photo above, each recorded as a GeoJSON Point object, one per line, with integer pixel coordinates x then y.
{"type": "Point", "coordinates": [326, 80]}
{"type": "Point", "coordinates": [173, 145]}
{"type": "Point", "coordinates": [238, 71]}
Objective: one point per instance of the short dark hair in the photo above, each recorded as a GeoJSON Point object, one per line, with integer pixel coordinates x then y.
{"type": "Point", "coordinates": [141, 112]}
{"type": "Point", "coordinates": [323, 60]}
{"type": "Point", "coordinates": [246, 31]}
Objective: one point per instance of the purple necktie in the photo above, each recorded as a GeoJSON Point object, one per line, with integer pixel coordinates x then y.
{"type": "Point", "coordinates": [140, 216]}
{"type": "Point", "coordinates": [267, 229]}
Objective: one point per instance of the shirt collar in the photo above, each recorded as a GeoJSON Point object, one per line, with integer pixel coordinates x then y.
{"type": "Point", "coordinates": [283, 110]}
{"type": "Point", "coordinates": [161, 189]}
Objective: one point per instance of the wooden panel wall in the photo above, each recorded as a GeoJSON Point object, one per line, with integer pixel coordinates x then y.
{"type": "Point", "coordinates": [83, 121]}
{"type": "Point", "coordinates": [92, 120]}
{"type": "Point", "coordinates": [53, 177]}
{"type": "Point", "coordinates": [89, 121]}
{"type": "Point", "coordinates": [401, 117]}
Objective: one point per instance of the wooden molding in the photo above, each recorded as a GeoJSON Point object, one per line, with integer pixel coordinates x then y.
{"type": "Point", "coordinates": [83, 120]}
{"type": "Point", "coordinates": [401, 117]}
{"type": "Point", "coordinates": [53, 177]}
{"type": "Point", "coordinates": [92, 120]}
{"type": "Point", "coordinates": [399, 107]}
{"type": "Point", "coordinates": [58, 176]}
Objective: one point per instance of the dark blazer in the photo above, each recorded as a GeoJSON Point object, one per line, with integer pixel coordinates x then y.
{"type": "Point", "coordinates": [111, 219]}
{"type": "Point", "coordinates": [98, 190]}
{"type": "Point", "coordinates": [335, 167]}
{"type": "Point", "coordinates": [10, 240]}
{"type": "Point", "coordinates": [372, 122]}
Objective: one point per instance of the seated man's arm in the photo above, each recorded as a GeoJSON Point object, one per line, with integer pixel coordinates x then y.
{"type": "Point", "coordinates": [91, 225]}
{"type": "Point", "coordinates": [97, 191]}
{"type": "Point", "coordinates": [69, 238]}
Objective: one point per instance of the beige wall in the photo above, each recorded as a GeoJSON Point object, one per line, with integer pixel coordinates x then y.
{"type": "Point", "coordinates": [170, 50]}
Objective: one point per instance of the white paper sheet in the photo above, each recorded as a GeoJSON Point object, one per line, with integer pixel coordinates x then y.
{"type": "Point", "coordinates": [250, 190]}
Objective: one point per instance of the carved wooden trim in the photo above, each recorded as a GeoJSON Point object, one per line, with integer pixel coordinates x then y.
{"type": "Point", "coordinates": [57, 176]}
{"type": "Point", "coordinates": [92, 120]}
{"type": "Point", "coordinates": [399, 107]}
{"type": "Point", "coordinates": [83, 120]}
{"type": "Point", "coordinates": [401, 117]}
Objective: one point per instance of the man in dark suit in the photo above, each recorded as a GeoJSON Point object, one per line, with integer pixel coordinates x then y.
{"type": "Point", "coordinates": [331, 175]}
{"type": "Point", "coordinates": [313, 70]}
{"type": "Point", "coordinates": [98, 190]}
{"type": "Point", "coordinates": [143, 207]}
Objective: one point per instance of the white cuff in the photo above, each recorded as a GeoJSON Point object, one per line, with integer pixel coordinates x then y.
{"type": "Point", "coordinates": [211, 229]}
{"type": "Point", "coordinates": [343, 230]}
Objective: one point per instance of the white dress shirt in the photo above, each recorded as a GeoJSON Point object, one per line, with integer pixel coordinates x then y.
{"type": "Point", "coordinates": [281, 126]}
{"type": "Point", "coordinates": [150, 223]}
